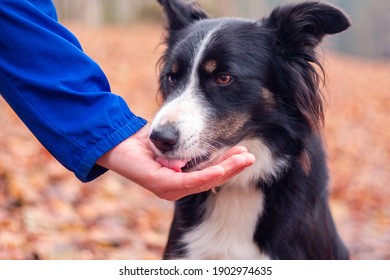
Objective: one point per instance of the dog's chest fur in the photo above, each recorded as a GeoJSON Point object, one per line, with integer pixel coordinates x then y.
{"type": "Point", "coordinates": [232, 215]}
{"type": "Point", "coordinates": [227, 231]}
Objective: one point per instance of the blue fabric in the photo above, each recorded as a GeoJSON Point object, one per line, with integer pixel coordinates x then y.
{"type": "Point", "coordinates": [60, 93]}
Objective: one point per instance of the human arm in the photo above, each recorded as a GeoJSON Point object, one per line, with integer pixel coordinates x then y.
{"type": "Point", "coordinates": [59, 92]}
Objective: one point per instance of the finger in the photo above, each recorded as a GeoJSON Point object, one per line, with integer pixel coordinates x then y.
{"type": "Point", "coordinates": [176, 195]}
{"type": "Point", "coordinates": [193, 180]}
{"type": "Point", "coordinates": [198, 181]}
{"type": "Point", "coordinates": [235, 151]}
{"type": "Point", "coordinates": [235, 162]}
{"type": "Point", "coordinates": [217, 173]}
{"type": "Point", "coordinates": [229, 153]}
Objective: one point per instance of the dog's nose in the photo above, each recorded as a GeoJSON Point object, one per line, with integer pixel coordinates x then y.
{"type": "Point", "coordinates": [165, 137]}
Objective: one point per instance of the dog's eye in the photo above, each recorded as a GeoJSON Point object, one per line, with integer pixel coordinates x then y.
{"type": "Point", "coordinates": [224, 80]}
{"type": "Point", "coordinates": [172, 79]}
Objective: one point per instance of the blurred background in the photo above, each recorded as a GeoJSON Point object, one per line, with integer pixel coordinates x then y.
{"type": "Point", "coordinates": [46, 213]}
{"type": "Point", "coordinates": [370, 36]}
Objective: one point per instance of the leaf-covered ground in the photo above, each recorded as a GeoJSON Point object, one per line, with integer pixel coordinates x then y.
{"type": "Point", "coordinates": [46, 213]}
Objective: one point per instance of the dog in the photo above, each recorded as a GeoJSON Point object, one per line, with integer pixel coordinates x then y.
{"type": "Point", "coordinates": [227, 82]}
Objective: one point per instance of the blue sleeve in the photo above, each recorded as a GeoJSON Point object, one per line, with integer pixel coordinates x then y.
{"type": "Point", "coordinates": [61, 95]}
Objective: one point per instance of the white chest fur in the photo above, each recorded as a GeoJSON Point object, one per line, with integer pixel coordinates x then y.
{"type": "Point", "coordinates": [227, 231]}
{"type": "Point", "coordinates": [232, 214]}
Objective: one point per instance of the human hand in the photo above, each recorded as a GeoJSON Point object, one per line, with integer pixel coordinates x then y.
{"type": "Point", "coordinates": [134, 159]}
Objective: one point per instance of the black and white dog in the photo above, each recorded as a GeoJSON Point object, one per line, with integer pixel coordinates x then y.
{"type": "Point", "coordinates": [228, 82]}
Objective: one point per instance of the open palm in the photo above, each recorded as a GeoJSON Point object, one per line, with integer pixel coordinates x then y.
{"type": "Point", "coordinates": [134, 159]}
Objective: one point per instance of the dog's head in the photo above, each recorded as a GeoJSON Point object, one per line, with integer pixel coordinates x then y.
{"type": "Point", "coordinates": [224, 81]}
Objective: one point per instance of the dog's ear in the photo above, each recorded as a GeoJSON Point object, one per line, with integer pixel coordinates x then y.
{"type": "Point", "coordinates": [181, 14]}
{"type": "Point", "coordinates": [302, 26]}
{"type": "Point", "coordinates": [297, 30]}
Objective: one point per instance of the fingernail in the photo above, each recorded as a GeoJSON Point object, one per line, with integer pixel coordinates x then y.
{"type": "Point", "coordinates": [250, 158]}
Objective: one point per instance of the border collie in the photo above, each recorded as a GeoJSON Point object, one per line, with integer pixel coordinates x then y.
{"type": "Point", "coordinates": [227, 82]}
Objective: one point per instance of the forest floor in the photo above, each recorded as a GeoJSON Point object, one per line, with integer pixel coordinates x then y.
{"type": "Point", "coordinates": [45, 213]}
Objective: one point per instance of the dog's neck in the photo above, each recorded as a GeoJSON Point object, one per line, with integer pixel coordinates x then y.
{"type": "Point", "coordinates": [266, 167]}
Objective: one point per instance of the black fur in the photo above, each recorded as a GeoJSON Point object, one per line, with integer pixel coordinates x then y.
{"type": "Point", "coordinates": [276, 54]}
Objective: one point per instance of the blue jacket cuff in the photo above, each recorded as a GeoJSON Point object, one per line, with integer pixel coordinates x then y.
{"type": "Point", "coordinates": [88, 170]}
